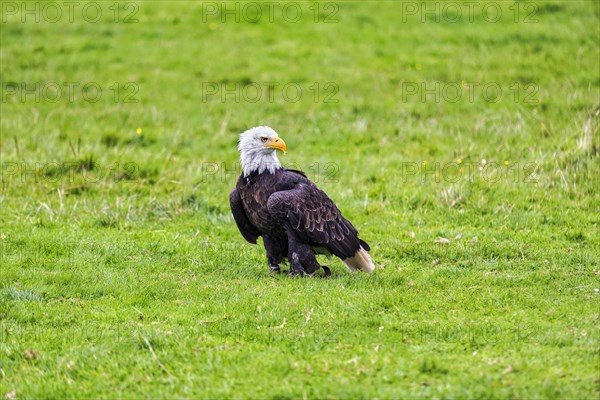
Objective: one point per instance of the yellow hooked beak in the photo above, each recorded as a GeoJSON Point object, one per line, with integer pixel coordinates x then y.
{"type": "Point", "coordinates": [277, 144]}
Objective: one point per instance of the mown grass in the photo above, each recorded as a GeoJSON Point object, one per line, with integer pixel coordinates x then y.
{"type": "Point", "coordinates": [123, 274]}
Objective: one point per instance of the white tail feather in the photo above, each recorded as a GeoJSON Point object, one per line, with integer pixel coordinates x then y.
{"type": "Point", "coordinates": [360, 262]}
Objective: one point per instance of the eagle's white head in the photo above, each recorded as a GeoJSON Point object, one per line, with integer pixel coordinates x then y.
{"type": "Point", "coordinates": [257, 148]}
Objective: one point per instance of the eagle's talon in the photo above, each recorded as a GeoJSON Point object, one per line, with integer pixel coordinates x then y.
{"type": "Point", "coordinates": [275, 269]}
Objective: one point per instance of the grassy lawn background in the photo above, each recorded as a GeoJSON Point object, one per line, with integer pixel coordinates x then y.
{"type": "Point", "coordinates": [123, 274]}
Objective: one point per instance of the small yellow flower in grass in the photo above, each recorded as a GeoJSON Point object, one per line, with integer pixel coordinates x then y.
{"type": "Point", "coordinates": [138, 131]}
{"type": "Point", "coordinates": [505, 162]}
{"type": "Point", "coordinates": [459, 161]}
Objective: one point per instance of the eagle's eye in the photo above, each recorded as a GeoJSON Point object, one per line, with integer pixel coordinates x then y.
{"type": "Point", "coordinates": [264, 139]}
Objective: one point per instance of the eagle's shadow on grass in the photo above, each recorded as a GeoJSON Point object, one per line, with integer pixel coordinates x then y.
{"type": "Point", "coordinates": [320, 274]}
{"type": "Point", "coordinates": [338, 274]}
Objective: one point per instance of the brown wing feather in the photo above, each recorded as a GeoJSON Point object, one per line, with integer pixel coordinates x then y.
{"type": "Point", "coordinates": [248, 231]}
{"type": "Point", "coordinates": [314, 217]}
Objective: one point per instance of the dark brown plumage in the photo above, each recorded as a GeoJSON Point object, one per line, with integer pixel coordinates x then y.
{"type": "Point", "coordinates": [295, 219]}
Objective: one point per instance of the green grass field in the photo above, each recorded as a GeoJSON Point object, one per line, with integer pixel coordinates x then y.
{"type": "Point", "coordinates": [462, 143]}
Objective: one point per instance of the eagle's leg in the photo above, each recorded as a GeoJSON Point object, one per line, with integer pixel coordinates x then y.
{"type": "Point", "coordinates": [275, 253]}
{"type": "Point", "coordinates": [302, 257]}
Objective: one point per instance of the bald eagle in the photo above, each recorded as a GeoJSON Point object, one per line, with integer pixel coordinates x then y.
{"type": "Point", "coordinates": [294, 217]}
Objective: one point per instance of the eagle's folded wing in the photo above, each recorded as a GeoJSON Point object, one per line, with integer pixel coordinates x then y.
{"type": "Point", "coordinates": [316, 219]}
{"type": "Point", "coordinates": [246, 228]}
